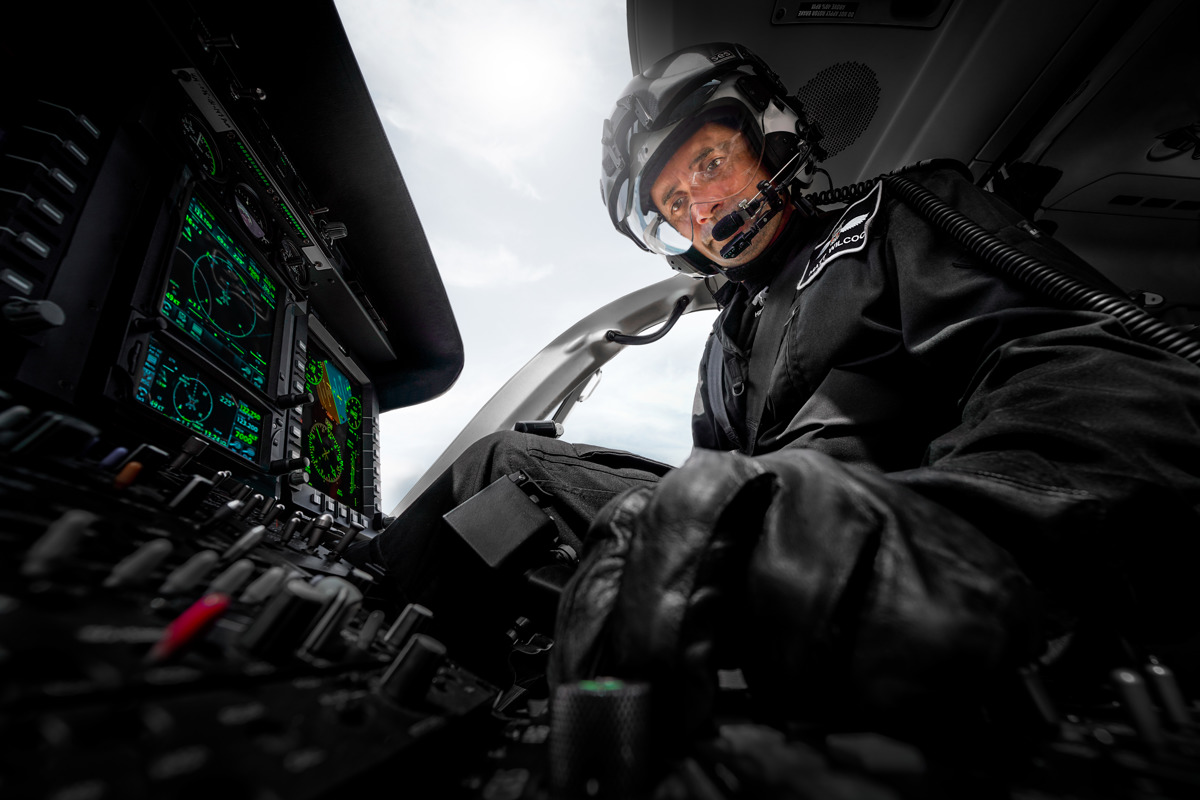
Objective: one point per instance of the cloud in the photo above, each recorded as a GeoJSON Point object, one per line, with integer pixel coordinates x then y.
{"type": "Point", "coordinates": [475, 266]}
{"type": "Point", "coordinates": [489, 81]}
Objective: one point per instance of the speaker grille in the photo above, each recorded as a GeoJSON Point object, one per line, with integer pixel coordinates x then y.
{"type": "Point", "coordinates": [842, 99]}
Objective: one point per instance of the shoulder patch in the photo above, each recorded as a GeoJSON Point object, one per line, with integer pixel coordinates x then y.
{"type": "Point", "coordinates": [849, 235]}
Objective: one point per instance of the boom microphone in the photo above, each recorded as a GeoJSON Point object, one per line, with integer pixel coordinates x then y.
{"type": "Point", "coordinates": [728, 225]}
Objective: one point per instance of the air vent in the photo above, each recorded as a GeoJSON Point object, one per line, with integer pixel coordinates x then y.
{"type": "Point", "coordinates": [1154, 202]}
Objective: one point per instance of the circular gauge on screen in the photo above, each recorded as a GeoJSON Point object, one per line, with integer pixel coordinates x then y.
{"type": "Point", "coordinates": [354, 413]}
{"type": "Point", "coordinates": [250, 211]}
{"type": "Point", "coordinates": [223, 295]}
{"type": "Point", "coordinates": [314, 371]}
{"type": "Point", "coordinates": [324, 452]}
{"type": "Point", "coordinates": [201, 146]}
{"type": "Point", "coordinates": [193, 400]}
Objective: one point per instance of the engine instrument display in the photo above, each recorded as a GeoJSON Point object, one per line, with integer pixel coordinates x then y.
{"type": "Point", "coordinates": [200, 145]}
{"type": "Point", "coordinates": [174, 386]}
{"type": "Point", "coordinates": [333, 430]}
{"type": "Point", "coordinates": [218, 295]}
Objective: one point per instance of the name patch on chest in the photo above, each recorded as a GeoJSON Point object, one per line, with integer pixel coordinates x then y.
{"type": "Point", "coordinates": [849, 235]}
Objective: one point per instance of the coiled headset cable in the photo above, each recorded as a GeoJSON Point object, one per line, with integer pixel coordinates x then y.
{"type": "Point", "coordinates": [1063, 289]}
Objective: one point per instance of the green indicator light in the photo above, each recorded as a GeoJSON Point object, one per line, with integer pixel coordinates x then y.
{"type": "Point", "coordinates": [254, 165]}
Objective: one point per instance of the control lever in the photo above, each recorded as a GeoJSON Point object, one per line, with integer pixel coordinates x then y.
{"type": "Point", "coordinates": [193, 447]}
{"type": "Point", "coordinates": [318, 529]}
{"type": "Point", "coordinates": [1169, 695]}
{"type": "Point", "coordinates": [295, 399]}
{"type": "Point", "coordinates": [58, 543]}
{"type": "Point", "coordinates": [287, 465]}
{"type": "Point", "coordinates": [408, 678]}
{"type": "Point", "coordinates": [264, 586]}
{"type": "Point", "coordinates": [347, 539]}
{"type": "Point", "coordinates": [27, 317]}
{"type": "Point", "coordinates": [139, 564]}
{"type": "Point", "coordinates": [412, 620]}
{"type": "Point", "coordinates": [1135, 698]}
{"type": "Point", "coordinates": [272, 512]}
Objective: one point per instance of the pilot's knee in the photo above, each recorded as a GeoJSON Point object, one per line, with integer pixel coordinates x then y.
{"type": "Point", "coordinates": [497, 445]}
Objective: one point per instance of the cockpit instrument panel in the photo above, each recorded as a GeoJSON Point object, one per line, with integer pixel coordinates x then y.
{"type": "Point", "coordinates": [197, 398]}
{"type": "Point", "coordinates": [333, 429]}
{"type": "Point", "coordinates": [218, 295]}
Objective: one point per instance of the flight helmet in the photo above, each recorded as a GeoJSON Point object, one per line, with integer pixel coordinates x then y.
{"type": "Point", "coordinates": [661, 108]}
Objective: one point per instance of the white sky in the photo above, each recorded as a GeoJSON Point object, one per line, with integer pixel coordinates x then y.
{"type": "Point", "coordinates": [494, 111]}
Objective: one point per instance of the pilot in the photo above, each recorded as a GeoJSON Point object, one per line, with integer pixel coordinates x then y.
{"type": "Point", "coordinates": [922, 464]}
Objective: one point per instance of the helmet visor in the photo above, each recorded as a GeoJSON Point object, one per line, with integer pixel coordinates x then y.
{"type": "Point", "coordinates": [700, 183]}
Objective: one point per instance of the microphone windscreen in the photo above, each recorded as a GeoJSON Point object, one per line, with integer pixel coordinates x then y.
{"type": "Point", "coordinates": [727, 226]}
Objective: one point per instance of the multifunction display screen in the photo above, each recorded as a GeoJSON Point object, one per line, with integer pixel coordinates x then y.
{"type": "Point", "coordinates": [174, 386]}
{"type": "Point", "coordinates": [333, 430]}
{"type": "Point", "coordinates": [220, 296]}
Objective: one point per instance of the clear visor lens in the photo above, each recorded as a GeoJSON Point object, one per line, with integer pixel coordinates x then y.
{"type": "Point", "coordinates": [702, 183]}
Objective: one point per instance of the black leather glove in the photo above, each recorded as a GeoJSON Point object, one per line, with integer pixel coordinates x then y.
{"type": "Point", "coordinates": [845, 599]}
{"type": "Point", "coordinates": [663, 574]}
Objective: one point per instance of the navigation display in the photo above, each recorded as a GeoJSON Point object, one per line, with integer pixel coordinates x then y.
{"type": "Point", "coordinates": [176, 387]}
{"type": "Point", "coordinates": [333, 430]}
{"type": "Point", "coordinates": [218, 295]}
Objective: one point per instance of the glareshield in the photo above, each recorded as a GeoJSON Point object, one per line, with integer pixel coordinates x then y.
{"type": "Point", "coordinates": [700, 183]}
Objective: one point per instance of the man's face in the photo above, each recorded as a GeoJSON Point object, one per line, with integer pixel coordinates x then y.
{"type": "Point", "coordinates": [703, 182]}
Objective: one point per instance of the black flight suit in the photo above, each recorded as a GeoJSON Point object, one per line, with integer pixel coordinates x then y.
{"type": "Point", "coordinates": [948, 473]}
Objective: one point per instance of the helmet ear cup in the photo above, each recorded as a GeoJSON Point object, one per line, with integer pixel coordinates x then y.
{"type": "Point", "coordinates": [778, 148]}
{"type": "Point", "coordinates": [756, 90]}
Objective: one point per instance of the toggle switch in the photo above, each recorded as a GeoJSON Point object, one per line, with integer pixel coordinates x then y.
{"type": "Point", "coordinates": [249, 504]}
{"type": "Point", "coordinates": [289, 529]}
{"type": "Point", "coordinates": [370, 629]}
{"type": "Point", "coordinates": [226, 512]}
{"type": "Point", "coordinates": [319, 528]}
{"type": "Point", "coordinates": [348, 538]}
{"type": "Point", "coordinates": [272, 511]}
